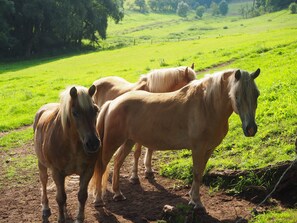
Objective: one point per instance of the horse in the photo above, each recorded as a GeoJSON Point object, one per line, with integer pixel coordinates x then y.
{"type": "Point", "coordinates": [194, 117]}
{"type": "Point", "coordinates": [158, 80]}
{"type": "Point", "coordinates": [66, 142]}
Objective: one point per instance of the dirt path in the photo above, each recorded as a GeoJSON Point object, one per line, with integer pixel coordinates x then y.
{"type": "Point", "coordinates": [20, 202]}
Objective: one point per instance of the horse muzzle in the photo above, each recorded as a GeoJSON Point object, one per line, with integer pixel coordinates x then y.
{"type": "Point", "coordinates": [250, 130]}
{"type": "Point", "coordinates": [92, 145]}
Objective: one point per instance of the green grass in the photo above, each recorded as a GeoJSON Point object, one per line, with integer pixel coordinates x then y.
{"type": "Point", "coordinates": [15, 139]}
{"type": "Point", "coordinates": [281, 216]}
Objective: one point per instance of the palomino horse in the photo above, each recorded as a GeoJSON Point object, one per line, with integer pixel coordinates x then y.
{"type": "Point", "coordinates": [66, 141]}
{"type": "Point", "coordinates": [159, 80]}
{"type": "Point", "coordinates": [194, 117]}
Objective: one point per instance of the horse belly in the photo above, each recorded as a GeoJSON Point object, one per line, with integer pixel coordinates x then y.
{"type": "Point", "coordinates": [161, 136]}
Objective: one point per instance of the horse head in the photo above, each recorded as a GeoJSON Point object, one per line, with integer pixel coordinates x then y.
{"type": "Point", "coordinates": [244, 94]}
{"type": "Point", "coordinates": [83, 114]}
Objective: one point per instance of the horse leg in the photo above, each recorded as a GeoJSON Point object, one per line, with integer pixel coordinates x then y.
{"type": "Point", "coordinates": [118, 162]}
{"type": "Point", "coordinates": [149, 173]}
{"type": "Point", "coordinates": [100, 171]}
{"type": "Point", "coordinates": [134, 179]}
{"type": "Point", "coordinates": [200, 157]}
{"type": "Point", "coordinates": [59, 180]}
{"type": "Point", "coordinates": [46, 211]}
{"type": "Point", "coordinates": [83, 193]}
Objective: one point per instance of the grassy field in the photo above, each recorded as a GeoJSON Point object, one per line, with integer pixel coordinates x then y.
{"type": "Point", "coordinates": [268, 42]}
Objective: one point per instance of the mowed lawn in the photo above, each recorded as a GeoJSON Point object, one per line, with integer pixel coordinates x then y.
{"type": "Point", "coordinates": [268, 42]}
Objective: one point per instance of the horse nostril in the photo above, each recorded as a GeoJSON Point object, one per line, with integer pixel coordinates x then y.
{"type": "Point", "coordinates": [251, 129]}
{"type": "Point", "coordinates": [93, 144]}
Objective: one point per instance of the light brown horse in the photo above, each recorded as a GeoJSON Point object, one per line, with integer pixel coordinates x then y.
{"type": "Point", "coordinates": [66, 141]}
{"type": "Point", "coordinates": [194, 117]}
{"type": "Point", "coordinates": [159, 80]}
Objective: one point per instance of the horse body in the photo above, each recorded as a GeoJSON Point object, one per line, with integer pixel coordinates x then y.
{"type": "Point", "coordinates": [194, 117]}
{"type": "Point", "coordinates": [64, 138]}
{"type": "Point", "coordinates": [160, 80]}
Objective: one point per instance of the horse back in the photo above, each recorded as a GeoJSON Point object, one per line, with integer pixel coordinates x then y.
{"type": "Point", "coordinates": [109, 88]}
{"type": "Point", "coordinates": [48, 108]}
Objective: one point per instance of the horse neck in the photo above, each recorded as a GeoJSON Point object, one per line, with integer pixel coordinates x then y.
{"type": "Point", "coordinates": [219, 101]}
{"type": "Point", "coordinates": [141, 84]}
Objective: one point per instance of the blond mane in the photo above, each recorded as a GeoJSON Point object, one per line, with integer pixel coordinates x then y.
{"type": "Point", "coordinates": [84, 102]}
{"type": "Point", "coordinates": [161, 80]}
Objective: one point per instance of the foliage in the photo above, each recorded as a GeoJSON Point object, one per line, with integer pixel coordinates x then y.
{"type": "Point", "coordinates": [276, 216]}
{"type": "Point", "coordinates": [293, 7]}
{"type": "Point", "coordinates": [223, 7]}
{"type": "Point", "coordinates": [141, 4]}
{"type": "Point", "coordinates": [200, 11]}
{"type": "Point", "coordinates": [40, 25]}
{"type": "Point", "coordinates": [214, 9]}
{"type": "Point", "coordinates": [273, 5]}
{"type": "Point", "coordinates": [182, 9]}
{"type": "Point", "coordinates": [6, 7]}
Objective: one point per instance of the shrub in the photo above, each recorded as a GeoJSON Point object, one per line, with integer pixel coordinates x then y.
{"type": "Point", "coordinates": [214, 9]}
{"type": "Point", "coordinates": [200, 11]}
{"type": "Point", "coordinates": [182, 9]}
{"type": "Point", "coordinates": [223, 7]}
{"type": "Point", "coordinates": [293, 8]}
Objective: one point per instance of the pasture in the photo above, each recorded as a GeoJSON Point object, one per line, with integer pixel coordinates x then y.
{"type": "Point", "coordinates": [141, 43]}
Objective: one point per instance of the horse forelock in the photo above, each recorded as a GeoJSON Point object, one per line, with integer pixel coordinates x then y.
{"type": "Point", "coordinates": [245, 87]}
{"type": "Point", "coordinates": [84, 102]}
{"type": "Point", "coordinates": [162, 80]}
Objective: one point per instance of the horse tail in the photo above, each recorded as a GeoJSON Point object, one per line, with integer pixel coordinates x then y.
{"type": "Point", "coordinates": [36, 119]}
{"type": "Point", "coordinates": [95, 183]}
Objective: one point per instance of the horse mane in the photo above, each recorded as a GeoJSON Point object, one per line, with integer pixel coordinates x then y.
{"type": "Point", "coordinates": [160, 80]}
{"type": "Point", "coordinates": [84, 102]}
{"type": "Point", "coordinates": [211, 86]}
{"type": "Point", "coordinates": [213, 83]}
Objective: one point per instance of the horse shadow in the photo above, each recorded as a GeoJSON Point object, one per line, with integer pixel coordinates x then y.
{"type": "Point", "coordinates": [145, 205]}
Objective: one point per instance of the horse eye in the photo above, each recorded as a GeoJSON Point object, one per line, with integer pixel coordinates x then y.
{"type": "Point", "coordinates": [75, 114]}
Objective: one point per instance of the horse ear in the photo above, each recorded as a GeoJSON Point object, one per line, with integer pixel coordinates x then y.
{"type": "Point", "coordinates": [192, 66]}
{"type": "Point", "coordinates": [255, 74]}
{"type": "Point", "coordinates": [237, 75]}
{"type": "Point", "coordinates": [92, 90]}
{"type": "Point", "coordinates": [73, 92]}
{"type": "Point", "coordinates": [187, 73]}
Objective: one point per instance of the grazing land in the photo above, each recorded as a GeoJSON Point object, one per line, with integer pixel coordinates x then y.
{"type": "Point", "coordinates": [142, 42]}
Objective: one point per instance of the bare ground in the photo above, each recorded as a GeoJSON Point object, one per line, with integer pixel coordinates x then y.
{"type": "Point", "coordinates": [20, 200]}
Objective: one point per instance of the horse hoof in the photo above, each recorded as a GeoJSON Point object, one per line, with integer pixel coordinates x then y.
{"type": "Point", "coordinates": [149, 175]}
{"type": "Point", "coordinates": [199, 208]}
{"type": "Point", "coordinates": [134, 180]}
{"type": "Point", "coordinates": [119, 197]}
{"type": "Point", "coordinates": [45, 215]}
{"type": "Point", "coordinates": [99, 204]}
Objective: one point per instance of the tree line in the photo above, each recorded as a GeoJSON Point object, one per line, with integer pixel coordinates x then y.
{"type": "Point", "coordinates": [171, 5]}
{"type": "Point", "coordinates": [201, 5]}
{"type": "Point", "coordinates": [34, 26]}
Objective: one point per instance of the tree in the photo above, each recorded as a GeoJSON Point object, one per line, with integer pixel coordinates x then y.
{"type": "Point", "coordinates": [215, 9]}
{"type": "Point", "coordinates": [223, 7]}
{"type": "Point", "coordinates": [182, 9]}
{"type": "Point", "coordinates": [293, 8]}
{"type": "Point", "coordinates": [6, 40]}
{"type": "Point", "coordinates": [39, 25]}
{"type": "Point", "coordinates": [141, 4]}
{"type": "Point", "coordinates": [200, 11]}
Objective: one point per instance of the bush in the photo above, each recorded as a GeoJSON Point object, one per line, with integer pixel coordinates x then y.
{"type": "Point", "coordinates": [223, 7]}
{"type": "Point", "coordinates": [182, 9]}
{"type": "Point", "coordinates": [214, 9]}
{"type": "Point", "coordinates": [293, 8]}
{"type": "Point", "coordinates": [200, 11]}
